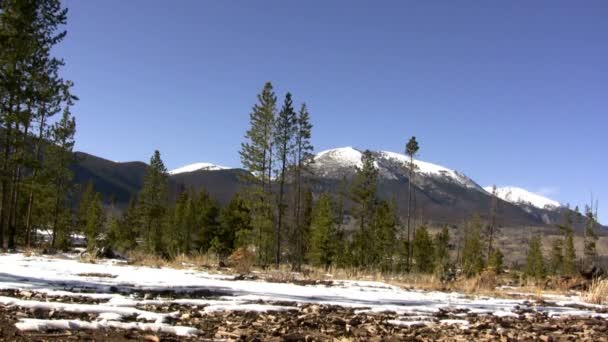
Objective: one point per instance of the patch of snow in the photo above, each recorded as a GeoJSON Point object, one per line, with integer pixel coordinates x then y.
{"type": "Point", "coordinates": [56, 276]}
{"type": "Point", "coordinates": [431, 169]}
{"type": "Point", "coordinates": [348, 156]}
{"type": "Point", "coordinates": [245, 308]}
{"type": "Point", "coordinates": [197, 167]}
{"type": "Point", "coordinates": [30, 324]}
{"type": "Point", "coordinates": [517, 195]}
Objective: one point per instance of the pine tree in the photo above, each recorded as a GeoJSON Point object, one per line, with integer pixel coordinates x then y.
{"type": "Point", "coordinates": [590, 250]}
{"type": "Point", "coordinates": [556, 260]}
{"type": "Point", "coordinates": [235, 222]}
{"type": "Point", "coordinates": [322, 247]}
{"type": "Point", "coordinates": [385, 233]}
{"type": "Point", "coordinates": [423, 252]}
{"type": "Point", "coordinates": [85, 202]}
{"type": "Point", "coordinates": [182, 223]}
{"type": "Point", "coordinates": [492, 224]}
{"type": "Point", "coordinates": [535, 262]}
{"type": "Point", "coordinates": [207, 222]}
{"type": "Point", "coordinates": [256, 157]}
{"type": "Point", "coordinates": [442, 251]}
{"type": "Point", "coordinates": [94, 221]}
{"type": "Point", "coordinates": [411, 149]}
{"type": "Point", "coordinates": [58, 162]}
{"type": "Point", "coordinates": [364, 190]}
{"type": "Point", "coordinates": [153, 203]}
{"type": "Point", "coordinates": [32, 91]}
{"type": "Point", "coordinates": [256, 152]}
{"type": "Point", "coordinates": [122, 231]}
{"type": "Point", "coordinates": [341, 244]}
{"type": "Point", "coordinates": [303, 159]}
{"type": "Point", "coordinates": [472, 251]}
{"type": "Point", "coordinates": [569, 256]}
{"type": "Point", "coordinates": [496, 261]}
{"type": "Point", "coordinates": [284, 135]}
{"type": "Point", "coordinates": [569, 253]}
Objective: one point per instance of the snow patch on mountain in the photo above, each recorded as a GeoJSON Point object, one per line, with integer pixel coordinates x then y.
{"type": "Point", "coordinates": [390, 164]}
{"type": "Point", "coordinates": [522, 196]}
{"type": "Point", "coordinates": [431, 169]}
{"type": "Point", "coordinates": [343, 155]}
{"type": "Point", "coordinates": [197, 167]}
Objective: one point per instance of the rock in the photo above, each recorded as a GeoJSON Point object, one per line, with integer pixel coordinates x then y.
{"type": "Point", "coordinates": [151, 338]}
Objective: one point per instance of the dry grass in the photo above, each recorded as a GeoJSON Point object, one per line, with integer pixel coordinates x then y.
{"type": "Point", "coordinates": [242, 260]}
{"type": "Point", "coordinates": [598, 292]}
{"type": "Point", "coordinates": [196, 260]}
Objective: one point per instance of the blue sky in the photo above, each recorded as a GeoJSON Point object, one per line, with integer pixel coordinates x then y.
{"type": "Point", "coordinates": [510, 93]}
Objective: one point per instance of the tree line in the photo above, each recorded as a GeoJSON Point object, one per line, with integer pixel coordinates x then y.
{"type": "Point", "coordinates": [36, 124]}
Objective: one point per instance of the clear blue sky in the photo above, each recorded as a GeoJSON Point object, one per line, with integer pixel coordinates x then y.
{"type": "Point", "coordinates": [510, 93]}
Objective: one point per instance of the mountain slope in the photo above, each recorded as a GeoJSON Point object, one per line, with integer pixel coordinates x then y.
{"type": "Point", "coordinates": [521, 196]}
{"type": "Point", "coordinates": [440, 195]}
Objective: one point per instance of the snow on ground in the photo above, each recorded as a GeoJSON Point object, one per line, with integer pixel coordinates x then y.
{"type": "Point", "coordinates": [198, 166]}
{"type": "Point", "coordinates": [122, 287]}
{"type": "Point", "coordinates": [522, 196]}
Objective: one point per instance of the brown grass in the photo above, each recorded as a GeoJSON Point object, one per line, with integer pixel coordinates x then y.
{"type": "Point", "coordinates": [598, 292]}
{"type": "Point", "coordinates": [242, 260]}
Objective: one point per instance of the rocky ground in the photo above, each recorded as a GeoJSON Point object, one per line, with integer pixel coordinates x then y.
{"type": "Point", "coordinates": [311, 322]}
{"type": "Point", "coordinates": [51, 299]}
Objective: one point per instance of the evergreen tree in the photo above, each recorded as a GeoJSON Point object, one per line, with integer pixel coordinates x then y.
{"type": "Point", "coordinates": [284, 135]}
{"type": "Point", "coordinates": [492, 224]}
{"type": "Point", "coordinates": [472, 252]}
{"type": "Point", "coordinates": [496, 262]}
{"type": "Point", "coordinates": [569, 266]}
{"type": "Point", "coordinates": [152, 204]}
{"type": "Point", "coordinates": [256, 157]}
{"type": "Point", "coordinates": [569, 253]}
{"type": "Point", "coordinates": [256, 152]}
{"type": "Point", "coordinates": [423, 253]}
{"type": "Point", "coordinates": [86, 201]}
{"type": "Point", "coordinates": [364, 197]}
{"type": "Point", "coordinates": [94, 221]}
{"type": "Point", "coordinates": [235, 223]}
{"type": "Point", "coordinates": [303, 158]}
{"type": "Point", "coordinates": [322, 247]}
{"type": "Point", "coordinates": [31, 90]}
{"type": "Point", "coordinates": [442, 251]}
{"type": "Point", "coordinates": [590, 250]}
{"type": "Point", "coordinates": [207, 211]}
{"type": "Point", "coordinates": [535, 262]}
{"type": "Point", "coordinates": [122, 231]}
{"type": "Point", "coordinates": [182, 222]}
{"type": "Point", "coordinates": [411, 149]}
{"type": "Point", "coordinates": [58, 162]}
{"type": "Point", "coordinates": [385, 235]}
{"type": "Point", "coordinates": [556, 260]}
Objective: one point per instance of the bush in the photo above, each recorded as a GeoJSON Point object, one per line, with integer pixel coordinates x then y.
{"type": "Point", "coordinates": [242, 260]}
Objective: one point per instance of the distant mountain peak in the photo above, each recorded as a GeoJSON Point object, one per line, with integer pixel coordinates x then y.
{"type": "Point", "coordinates": [390, 164]}
{"type": "Point", "coordinates": [197, 167]}
{"type": "Point", "coordinates": [517, 195]}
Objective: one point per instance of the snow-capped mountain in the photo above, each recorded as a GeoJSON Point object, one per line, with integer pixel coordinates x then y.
{"type": "Point", "coordinates": [198, 166]}
{"type": "Point", "coordinates": [440, 194]}
{"type": "Point", "coordinates": [337, 162]}
{"type": "Point", "coordinates": [521, 196]}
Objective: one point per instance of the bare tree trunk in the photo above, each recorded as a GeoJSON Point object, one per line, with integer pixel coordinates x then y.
{"type": "Point", "coordinates": [409, 210]}
{"type": "Point", "coordinates": [5, 180]}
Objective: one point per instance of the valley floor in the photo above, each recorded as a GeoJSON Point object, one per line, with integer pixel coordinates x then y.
{"type": "Point", "coordinates": [61, 298]}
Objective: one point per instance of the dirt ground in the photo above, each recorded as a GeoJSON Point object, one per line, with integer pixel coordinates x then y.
{"type": "Point", "coordinates": [323, 323]}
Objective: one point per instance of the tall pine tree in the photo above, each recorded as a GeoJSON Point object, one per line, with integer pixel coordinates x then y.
{"type": "Point", "coordinates": [411, 149]}
{"type": "Point", "coordinates": [153, 201]}
{"type": "Point", "coordinates": [284, 138]}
